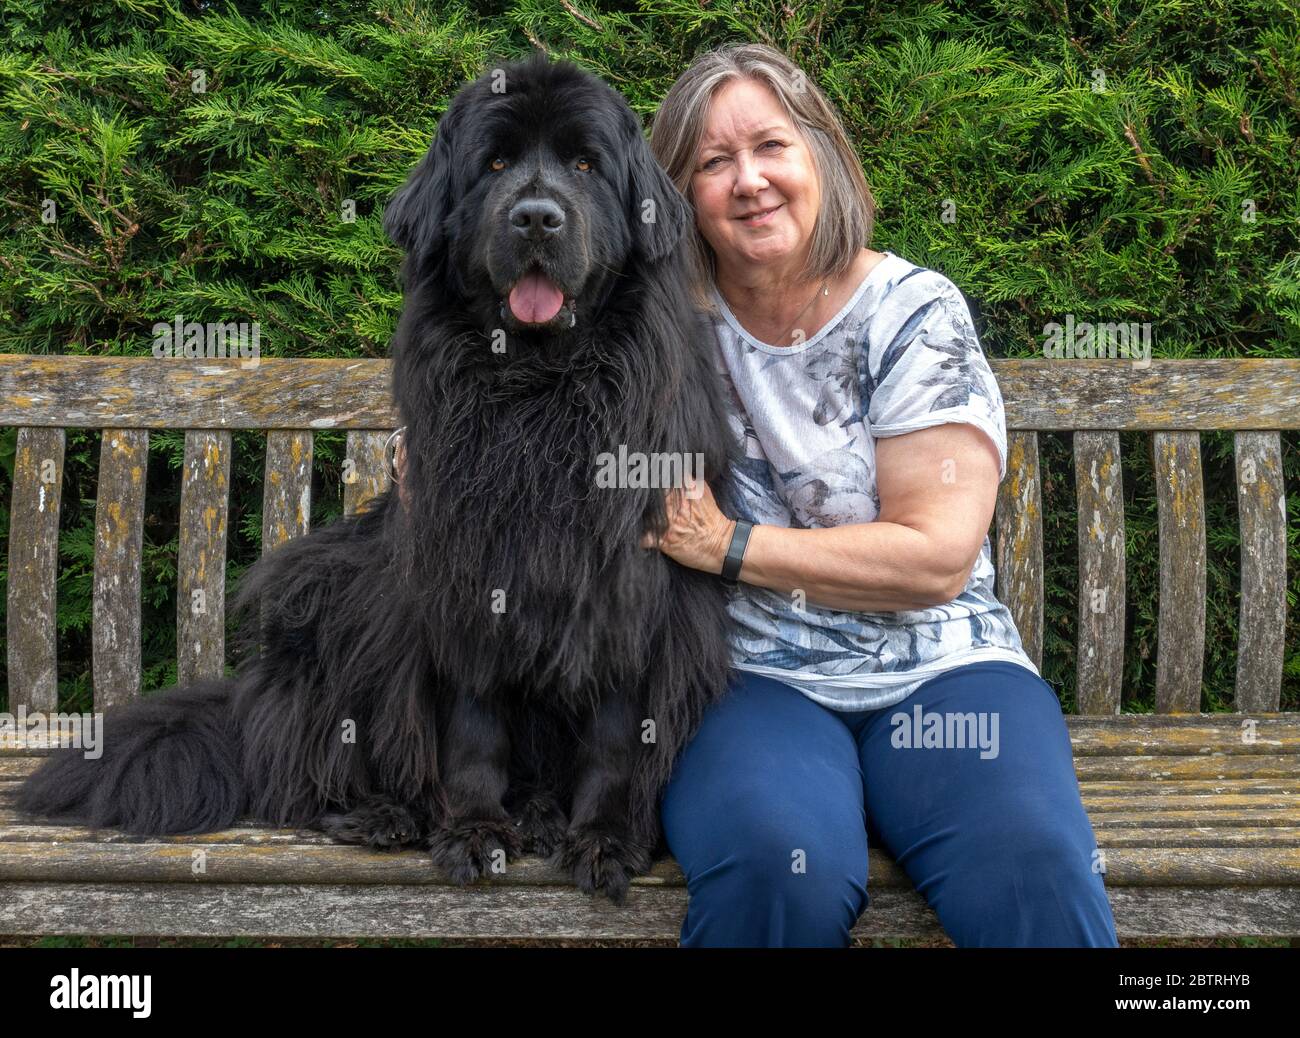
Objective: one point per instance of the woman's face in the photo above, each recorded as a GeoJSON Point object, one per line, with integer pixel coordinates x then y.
{"type": "Point", "coordinates": [751, 159]}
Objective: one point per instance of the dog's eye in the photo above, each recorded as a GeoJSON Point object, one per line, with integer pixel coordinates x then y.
{"type": "Point", "coordinates": [497, 165]}
{"type": "Point", "coordinates": [583, 164]}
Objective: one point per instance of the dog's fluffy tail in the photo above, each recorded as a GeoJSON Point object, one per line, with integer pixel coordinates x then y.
{"type": "Point", "coordinates": [170, 763]}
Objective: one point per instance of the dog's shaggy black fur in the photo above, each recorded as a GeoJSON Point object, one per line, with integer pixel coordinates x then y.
{"type": "Point", "coordinates": [489, 661]}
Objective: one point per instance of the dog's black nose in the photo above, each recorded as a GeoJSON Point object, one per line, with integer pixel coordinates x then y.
{"type": "Point", "coordinates": [536, 218]}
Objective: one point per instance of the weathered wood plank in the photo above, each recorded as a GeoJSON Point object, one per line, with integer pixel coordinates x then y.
{"type": "Point", "coordinates": [1069, 395]}
{"type": "Point", "coordinates": [364, 476]}
{"type": "Point", "coordinates": [1170, 818]}
{"type": "Point", "coordinates": [286, 497]}
{"type": "Point", "coordinates": [280, 393]}
{"type": "Point", "coordinates": [1271, 835]}
{"type": "Point", "coordinates": [119, 536]}
{"type": "Point", "coordinates": [1100, 496]}
{"type": "Point", "coordinates": [1138, 829]}
{"type": "Point", "coordinates": [1160, 739]}
{"type": "Point", "coordinates": [1019, 529]}
{"type": "Point", "coordinates": [175, 393]}
{"type": "Point", "coordinates": [1198, 734]}
{"type": "Point", "coordinates": [1129, 833]}
{"type": "Point", "coordinates": [545, 912]}
{"type": "Point", "coordinates": [1261, 502]}
{"type": "Point", "coordinates": [1261, 787]}
{"type": "Point", "coordinates": [1180, 501]}
{"type": "Point", "coordinates": [1157, 768]}
{"type": "Point", "coordinates": [1205, 911]}
{"type": "Point", "coordinates": [32, 633]}
{"type": "Point", "coordinates": [66, 862]}
{"type": "Point", "coordinates": [411, 910]}
{"type": "Point", "coordinates": [201, 567]}
{"type": "Point", "coordinates": [1151, 771]}
{"type": "Point", "coordinates": [1244, 803]}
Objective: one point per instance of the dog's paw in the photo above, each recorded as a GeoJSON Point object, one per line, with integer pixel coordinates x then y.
{"type": "Point", "coordinates": [601, 862]}
{"type": "Point", "coordinates": [541, 824]}
{"type": "Point", "coordinates": [472, 847]}
{"type": "Point", "coordinates": [380, 824]}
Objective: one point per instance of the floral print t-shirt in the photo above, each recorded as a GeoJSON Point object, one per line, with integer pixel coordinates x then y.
{"type": "Point", "coordinates": [901, 355]}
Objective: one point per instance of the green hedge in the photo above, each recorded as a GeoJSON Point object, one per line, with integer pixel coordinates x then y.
{"type": "Point", "coordinates": [1120, 162]}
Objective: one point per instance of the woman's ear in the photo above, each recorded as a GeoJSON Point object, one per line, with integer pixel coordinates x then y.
{"type": "Point", "coordinates": [414, 216]}
{"type": "Point", "coordinates": [657, 212]}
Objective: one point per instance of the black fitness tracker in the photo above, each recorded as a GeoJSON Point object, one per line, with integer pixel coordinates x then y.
{"type": "Point", "coordinates": [736, 550]}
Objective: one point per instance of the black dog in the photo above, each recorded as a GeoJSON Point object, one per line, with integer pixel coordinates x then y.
{"type": "Point", "coordinates": [489, 662]}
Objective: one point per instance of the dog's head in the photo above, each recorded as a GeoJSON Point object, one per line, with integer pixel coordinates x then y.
{"type": "Point", "coordinates": [537, 190]}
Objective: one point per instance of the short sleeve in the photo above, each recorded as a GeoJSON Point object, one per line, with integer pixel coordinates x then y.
{"type": "Point", "coordinates": [924, 366]}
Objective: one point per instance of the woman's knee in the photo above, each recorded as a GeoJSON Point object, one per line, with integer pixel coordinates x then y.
{"type": "Point", "coordinates": [1029, 880]}
{"type": "Point", "coordinates": [774, 878]}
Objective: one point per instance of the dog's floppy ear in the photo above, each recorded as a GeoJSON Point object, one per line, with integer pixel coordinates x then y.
{"type": "Point", "coordinates": [658, 213]}
{"type": "Point", "coordinates": [413, 217]}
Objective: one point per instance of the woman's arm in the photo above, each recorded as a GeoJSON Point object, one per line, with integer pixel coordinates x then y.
{"type": "Point", "coordinates": [938, 488]}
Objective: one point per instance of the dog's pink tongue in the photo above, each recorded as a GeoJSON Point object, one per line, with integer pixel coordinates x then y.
{"type": "Point", "coordinates": [535, 299]}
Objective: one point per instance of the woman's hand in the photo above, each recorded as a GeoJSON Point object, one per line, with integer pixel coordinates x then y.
{"type": "Point", "coordinates": [698, 533]}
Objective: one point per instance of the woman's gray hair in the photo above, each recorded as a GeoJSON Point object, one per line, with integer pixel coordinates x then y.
{"type": "Point", "coordinates": [678, 128]}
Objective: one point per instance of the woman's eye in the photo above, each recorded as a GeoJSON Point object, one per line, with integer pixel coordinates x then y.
{"type": "Point", "coordinates": [777, 143]}
{"type": "Point", "coordinates": [583, 164]}
{"type": "Point", "coordinates": [497, 165]}
{"type": "Point", "coordinates": [710, 162]}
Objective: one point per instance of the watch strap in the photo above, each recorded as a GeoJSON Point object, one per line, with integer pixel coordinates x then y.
{"type": "Point", "coordinates": [736, 550]}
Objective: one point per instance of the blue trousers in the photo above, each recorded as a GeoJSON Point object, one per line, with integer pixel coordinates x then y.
{"type": "Point", "coordinates": [771, 806]}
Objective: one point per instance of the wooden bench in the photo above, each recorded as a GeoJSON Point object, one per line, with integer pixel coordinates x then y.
{"type": "Point", "coordinates": [1198, 815]}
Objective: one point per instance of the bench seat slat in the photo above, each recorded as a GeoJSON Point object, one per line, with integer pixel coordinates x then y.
{"type": "Point", "coordinates": [1159, 769]}
{"type": "Point", "coordinates": [174, 864]}
{"type": "Point", "coordinates": [652, 912]}
{"type": "Point", "coordinates": [1202, 745]}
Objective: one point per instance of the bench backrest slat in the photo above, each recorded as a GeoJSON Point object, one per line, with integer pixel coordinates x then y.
{"type": "Point", "coordinates": [1188, 395]}
{"type": "Point", "coordinates": [1018, 567]}
{"type": "Point", "coordinates": [365, 476]}
{"type": "Point", "coordinates": [201, 566]}
{"type": "Point", "coordinates": [283, 393]}
{"type": "Point", "coordinates": [286, 495]}
{"type": "Point", "coordinates": [1100, 489]}
{"type": "Point", "coordinates": [1180, 515]}
{"type": "Point", "coordinates": [175, 393]}
{"type": "Point", "coordinates": [119, 538]}
{"type": "Point", "coordinates": [1261, 502]}
{"type": "Point", "coordinates": [33, 568]}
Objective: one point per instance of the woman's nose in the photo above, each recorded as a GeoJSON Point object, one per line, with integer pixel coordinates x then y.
{"type": "Point", "coordinates": [749, 178]}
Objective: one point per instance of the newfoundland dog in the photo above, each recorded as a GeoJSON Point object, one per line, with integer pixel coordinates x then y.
{"type": "Point", "coordinates": [488, 663]}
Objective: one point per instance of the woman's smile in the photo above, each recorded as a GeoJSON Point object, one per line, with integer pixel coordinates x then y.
{"type": "Point", "coordinates": [761, 218]}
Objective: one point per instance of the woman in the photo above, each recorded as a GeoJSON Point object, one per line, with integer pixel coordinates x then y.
{"type": "Point", "coordinates": [881, 693]}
